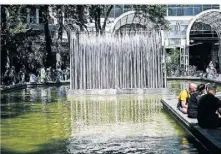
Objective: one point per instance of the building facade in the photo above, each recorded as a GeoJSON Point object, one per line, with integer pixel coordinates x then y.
{"type": "Point", "coordinates": [191, 30]}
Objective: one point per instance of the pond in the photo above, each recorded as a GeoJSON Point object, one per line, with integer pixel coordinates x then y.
{"type": "Point", "coordinates": [42, 120]}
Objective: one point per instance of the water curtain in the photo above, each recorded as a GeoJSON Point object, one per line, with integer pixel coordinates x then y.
{"type": "Point", "coordinates": [117, 62]}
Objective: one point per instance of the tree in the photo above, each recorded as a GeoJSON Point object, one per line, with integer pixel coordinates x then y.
{"type": "Point", "coordinates": [12, 27]}
{"type": "Point", "coordinates": [19, 41]}
{"type": "Point", "coordinates": [156, 14]}
{"type": "Point", "coordinates": [71, 15]}
{"type": "Point", "coordinates": [48, 41]}
{"type": "Point", "coordinates": [4, 32]}
{"type": "Point", "coordinates": [98, 11]}
{"type": "Point", "coordinates": [65, 13]}
{"type": "Point", "coordinates": [172, 61]}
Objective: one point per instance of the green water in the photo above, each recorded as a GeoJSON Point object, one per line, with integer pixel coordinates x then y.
{"type": "Point", "coordinates": [42, 120]}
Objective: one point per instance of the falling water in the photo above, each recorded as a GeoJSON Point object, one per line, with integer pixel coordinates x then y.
{"type": "Point", "coordinates": [117, 62]}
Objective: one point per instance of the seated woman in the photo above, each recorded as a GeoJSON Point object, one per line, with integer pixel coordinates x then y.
{"type": "Point", "coordinates": [194, 99]}
{"type": "Point", "coordinates": [184, 96]}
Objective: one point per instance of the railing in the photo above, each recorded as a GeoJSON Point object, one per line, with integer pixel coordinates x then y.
{"type": "Point", "coordinates": [33, 20]}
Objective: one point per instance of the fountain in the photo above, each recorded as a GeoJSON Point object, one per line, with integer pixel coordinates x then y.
{"type": "Point", "coordinates": [113, 64]}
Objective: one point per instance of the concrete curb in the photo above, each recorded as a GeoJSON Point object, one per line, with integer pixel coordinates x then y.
{"type": "Point", "coordinates": [31, 85]}
{"type": "Point", "coordinates": [194, 78]}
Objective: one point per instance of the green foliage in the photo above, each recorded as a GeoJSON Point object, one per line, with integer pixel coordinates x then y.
{"type": "Point", "coordinates": [173, 57]}
{"type": "Point", "coordinates": [13, 18]}
{"type": "Point", "coordinates": [172, 60]}
{"type": "Point", "coordinates": [78, 13]}
{"type": "Point", "coordinates": [96, 12]}
{"type": "Point", "coordinates": [156, 13]}
{"type": "Point", "coordinates": [17, 40]}
{"type": "Point", "coordinates": [16, 33]}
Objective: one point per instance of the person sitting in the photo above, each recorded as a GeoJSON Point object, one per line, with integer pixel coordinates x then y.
{"type": "Point", "coordinates": [193, 101]}
{"type": "Point", "coordinates": [211, 71]}
{"type": "Point", "coordinates": [202, 90]}
{"type": "Point", "coordinates": [209, 109]}
{"type": "Point", "coordinates": [32, 78]}
{"type": "Point", "coordinates": [43, 74]}
{"type": "Point", "coordinates": [184, 96]}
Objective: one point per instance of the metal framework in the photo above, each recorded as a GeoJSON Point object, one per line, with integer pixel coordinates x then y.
{"type": "Point", "coordinates": [131, 18]}
{"type": "Point", "coordinates": [211, 18]}
{"type": "Point", "coordinates": [132, 22]}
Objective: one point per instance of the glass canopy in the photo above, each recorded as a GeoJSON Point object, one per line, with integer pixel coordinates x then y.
{"type": "Point", "coordinates": [128, 21]}
{"type": "Point", "coordinates": [211, 18]}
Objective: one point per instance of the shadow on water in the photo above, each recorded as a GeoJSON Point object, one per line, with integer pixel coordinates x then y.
{"type": "Point", "coordinates": [52, 147]}
{"type": "Point", "coordinates": [14, 104]}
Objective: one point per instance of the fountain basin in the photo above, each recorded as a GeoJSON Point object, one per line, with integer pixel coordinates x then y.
{"type": "Point", "coordinates": [117, 91]}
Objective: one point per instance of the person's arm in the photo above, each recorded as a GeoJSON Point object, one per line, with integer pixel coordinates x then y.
{"type": "Point", "coordinates": [219, 107]}
{"type": "Point", "coordinates": [183, 98]}
{"type": "Point", "coordinates": [219, 110]}
{"type": "Point", "coordinates": [184, 105]}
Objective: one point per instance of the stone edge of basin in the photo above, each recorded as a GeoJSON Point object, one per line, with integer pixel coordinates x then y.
{"type": "Point", "coordinates": [203, 135]}
{"type": "Point", "coordinates": [117, 91]}
{"type": "Point", "coordinates": [29, 85]}
{"type": "Point", "coordinates": [194, 78]}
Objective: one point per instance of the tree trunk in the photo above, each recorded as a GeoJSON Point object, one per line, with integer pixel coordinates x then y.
{"type": "Point", "coordinates": [49, 60]}
{"type": "Point", "coordinates": [96, 25]}
{"type": "Point", "coordinates": [60, 21]}
{"type": "Point", "coordinates": [97, 21]}
{"type": "Point", "coordinates": [80, 14]}
{"type": "Point", "coordinates": [99, 18]}
{"type": "Point", "coordinates": [105, 19]}
{"type": "Point", "coordinates": [5, 62]}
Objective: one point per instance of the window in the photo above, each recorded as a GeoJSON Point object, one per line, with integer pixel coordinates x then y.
{"type": "Point", "coordinates": [215, 7]}
{"type": "Point", "coordinates": [184, 27]}
{"type": "Point", "coordinates": [183, 30]}
{"type": "Point", "coordinates": [172, 12]}
{"type": "Point", "coordinates": [189, 11]}
{"type": "Point", "coordinates": [118, 10]}
{"type": "Point", "coordinates": [174, 41]}
{"type": "Point", "coordinates": [197, 9]}
{"type": "Point", "coordinates": [172, 28]}
{"type": "Point", "coordinates": [180, 11]}
{"type": "Point", "coordinates": [206, 7]}
{"type": "Point", "coordinates": [173, 32]}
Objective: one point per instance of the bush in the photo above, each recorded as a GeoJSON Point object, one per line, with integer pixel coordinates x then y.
{"type": "Point", "coordinates": [172, 61]}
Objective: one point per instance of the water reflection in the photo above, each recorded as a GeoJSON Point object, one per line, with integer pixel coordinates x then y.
{"type": "Point", "coordinates": [41, 120]}
{"type": "Point", "coordinates": [124, 124]}
{"type": "Point", "coordinates": [34, 121]}
{"type": "Point", "coordinates": [91, 111]}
